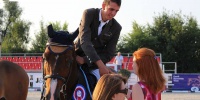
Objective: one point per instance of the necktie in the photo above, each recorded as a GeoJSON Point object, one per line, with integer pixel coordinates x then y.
{"type": "Point", "coordinates": [101, 27]}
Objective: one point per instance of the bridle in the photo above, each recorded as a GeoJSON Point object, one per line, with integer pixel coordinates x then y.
{"type": "Point", "coordinates": [65, 80]}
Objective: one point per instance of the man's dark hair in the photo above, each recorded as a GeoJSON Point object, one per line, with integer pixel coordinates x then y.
{"type": "Point", "coordinates": [118, 2]}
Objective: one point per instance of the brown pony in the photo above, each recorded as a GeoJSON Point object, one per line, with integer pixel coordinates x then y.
{"type": "Point", "coordinates": [60, 68]}
{"type": "Point", "coordinates": [14, 81]}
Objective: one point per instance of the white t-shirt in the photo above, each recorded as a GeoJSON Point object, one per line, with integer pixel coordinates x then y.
{"type": "Point", "coordinates": [118, 60]}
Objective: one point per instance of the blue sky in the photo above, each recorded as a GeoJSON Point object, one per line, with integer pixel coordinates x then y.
{"type": "Point", "coordinates": [70, 11]}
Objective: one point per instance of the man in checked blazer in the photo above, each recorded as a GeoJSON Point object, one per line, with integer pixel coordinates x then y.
{"type": "Point", "coordinates": [97, 38]}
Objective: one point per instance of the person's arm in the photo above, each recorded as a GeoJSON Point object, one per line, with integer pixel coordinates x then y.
{"type": "Point", "coordinates": [102, 68]}
{"type": "Point", "coordinates": [137, 93]}
{"type": "Point", "coordinates": [85, 41]}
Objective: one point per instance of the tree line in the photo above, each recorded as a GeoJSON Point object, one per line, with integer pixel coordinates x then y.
{"type": "Point", "coordinates": [175, 36]}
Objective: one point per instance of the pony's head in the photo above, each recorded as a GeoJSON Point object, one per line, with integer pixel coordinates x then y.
{"type": "Point", "coordinates": [60, 69]}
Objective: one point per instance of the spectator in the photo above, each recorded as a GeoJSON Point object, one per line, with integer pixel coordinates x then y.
{"type": "Point", "coordinates": [110, 87]}
{"type": "Point", "coordinates": [119, 60]}
{"type": "Point", "coordinates": [151, 78]}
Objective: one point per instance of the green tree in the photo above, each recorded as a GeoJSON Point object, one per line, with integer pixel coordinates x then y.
{"type": "Point", "coordinates": [175, 36]}
{"type": "Point", "coordinates": [139, 37]}
{"type": "Point", "coordinates": [15, 34]}
{"type": "Point", "coordinates": [11, 12]}
{"type": "Point", "coordinates": [16, 39]}
{"type": "Point", "coordinates": [188, 54]}
{"type": "Point", "coordinates": [178, 40]}
{"type": "Point", "coordinates": [1, 18]}
{"type": "Point", "coordinates": [39, 44]}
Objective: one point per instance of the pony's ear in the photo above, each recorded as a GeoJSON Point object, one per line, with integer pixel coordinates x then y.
{"type": "Point", "coordinates": [50, 31]}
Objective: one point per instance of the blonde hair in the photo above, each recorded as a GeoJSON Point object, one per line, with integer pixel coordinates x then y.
{"type": "Point", "coordinates": [107, 86]}
{"type": "Point", "coordinates": [149, 69]}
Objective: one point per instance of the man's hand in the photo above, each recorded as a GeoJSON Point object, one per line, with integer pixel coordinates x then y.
{"type": "Point", "coordinates": [80, 60]}
{"type": "Point", "coordinates": [111, 71]}
{"type": "Point", "coordinates": [102, 68]}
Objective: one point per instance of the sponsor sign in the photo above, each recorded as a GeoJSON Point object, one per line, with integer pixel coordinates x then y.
{"type": "Point", "coordinates": [189, 82]}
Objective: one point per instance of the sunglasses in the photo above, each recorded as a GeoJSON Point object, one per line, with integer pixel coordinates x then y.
{"type": "Point", "coordinates": [124, 91]}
